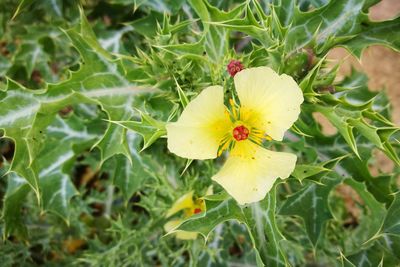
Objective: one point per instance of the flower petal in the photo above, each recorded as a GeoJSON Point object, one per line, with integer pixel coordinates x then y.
{"type": "Point", "coordinates": [184, 202]}
{"type": "Point", "coordinates": [198, 132]}
{"type": "Point", "coordinates": [183, 235]}
{"type": "Point", "coordinates": [269, 102]}
{"type": "Point", "coordinates": [250, 171]}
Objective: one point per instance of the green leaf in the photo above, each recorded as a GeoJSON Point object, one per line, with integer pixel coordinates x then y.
{"type": "Point", "coordinates": [338, 20]}
{"type": "Point", "coordinates": [182, 96]}
{"type": "Point", "coordinates": [218, 211]}
{"type": "Point", "coordinates": [31, 55]}
{"type": "Point", "coordinates": [285, 10]}
{"type": "Point", "coordinates": [130, 176]}
{"type": "Point", "coordinates": [379, 186]}
{"type": "Point", "coordinates": [380, 137]}
{"type": "Point", "coordinates": [161, 6]}
{"type": "Point", "coordinates": [147, 26]}
{"type": "Point", "coordinates": [100, 80]}
{"type": "Point", "coordinates": [339, 121]}
{"type": "Point", "coordinates": [14, 199]}
{"type": "Point", "coordinates": [22, 5]}
{"type": "Point", "coordinates": [216, 41]}
{"type": "Point", "coordinates": [18, 108]}
{"type": "Point", "coordinates": [376, 33]}
{"type": "Point", "coordinates": [66, 138]}
{"type": "Point", "coordinates": [314, 172]}
{"type": "Point", "coordinates": [311, 204]}
{"type": "Point", "coordinates": [392, 243]}
{"type": "Point", "coordinates": [5, 64]}
{"type": "Point", "coordinates": [386, 246]}
{"type": "Point", "coordinates": [264, 231]}
{"type": "Point", "coordinates": [248, 25]}
{"type": "Point", "coordinates": [391, 224]}
{"type": "Point", "coordinates": [259, 219]}
{"type": "Point", "coordinates": [149, 128]}
{"type": "Point", "coordinates": [187, 50]}
{"type": "Point", "coordinates": [356, 109]}
{"type": "Point", "coordinates": [366, 258]}
{"type": "Point", "coordinates": [368, 229]}
{"type": "Point", "coordinates": [376, 255]}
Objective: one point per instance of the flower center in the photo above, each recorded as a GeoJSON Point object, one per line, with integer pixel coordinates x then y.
{"type": "Point", "coordinates": [240, 133]}
{"type": "Point", "coordinates": [196, 210]}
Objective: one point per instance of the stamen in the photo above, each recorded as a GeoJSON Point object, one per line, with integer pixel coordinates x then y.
{"type": "Point", "coordinates": [258, 136]}
{"type": "Point", "coordinates": [256, 139]}
{"type": "Point", "coordinates": [226, 141]}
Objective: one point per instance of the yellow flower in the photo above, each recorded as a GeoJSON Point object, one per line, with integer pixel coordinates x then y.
{"type": "Point", "coordinates": [189, 208]}
{"type": "Point", "coordinates": [269, 105]}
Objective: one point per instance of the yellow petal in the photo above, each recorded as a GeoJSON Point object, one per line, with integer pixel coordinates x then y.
{"type": "Point", "coordinates": [184, 235]}
{"type": "Point", "coordinates": [210, 191]}
{"type": "Point", "coordinates": [198, 132]}
{"type": "Point", "coordinates": [250, 171]}
{"type": "Point", "coordinates": [171, 225]}
{"type": "Point", "coordinates": [269, 102]}
{"type": "Point", "coordinates": [184, 202]}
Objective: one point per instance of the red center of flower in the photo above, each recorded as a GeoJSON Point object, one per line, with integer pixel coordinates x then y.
{"type": "Point", "coordinates": [234, 67]}
{"type": "Point", "coordinates": [196, 210]}
{"type": "Point", "coordinates": [240, 133]}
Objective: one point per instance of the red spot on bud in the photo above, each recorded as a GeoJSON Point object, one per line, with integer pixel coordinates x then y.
{"type": "Point", "coordinates": [196, 210]}
{"type": "Point", "coordinates": [240, 133]}
{"type": "Point", "coordinates": [234, 67]}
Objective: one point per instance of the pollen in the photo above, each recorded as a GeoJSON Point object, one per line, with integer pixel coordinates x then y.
{"type": "Point", "coordinates": [240, 133]}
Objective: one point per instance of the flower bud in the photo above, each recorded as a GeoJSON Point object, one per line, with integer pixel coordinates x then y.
{"type": "Point", "coordinates": [234, 67]}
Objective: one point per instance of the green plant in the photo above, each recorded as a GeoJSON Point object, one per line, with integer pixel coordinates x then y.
{"type": "Point", "coordinates": [88, 179]}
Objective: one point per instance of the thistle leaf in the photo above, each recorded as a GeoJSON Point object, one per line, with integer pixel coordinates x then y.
{"type": "Point", "coordinates": [376, 33]}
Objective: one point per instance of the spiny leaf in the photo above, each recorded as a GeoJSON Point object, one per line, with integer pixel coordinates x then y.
{"type": "Point", "coordinates": [382, 33]}
{"type": "Point", "coordinates": [340, 123]}
{"type": "Point", "coordinates": [392, 220]}
{"type": "Point", "coordinates": [191, 51]}
{"type": "Point", "coordinates": [285, 10]}
{"type": "Point", "coordinates": [259, 219]}
{"type": "Point", "coordinates": [315, 172]}
{"type": "Point", "coordinates": [130, 176]}
{"type": "Point", "coordinates": [182, 96]}
{"type": "Point", "coordinates": [101, 80]}
{"type": "Point", "coordinates": [14, 199]}
{"type": "Point", "coordinates": [311, 204]}
{"type": "Point", "coordinates": [263, 228]}
{"type": "Point", "coordinates": [149, 128]}
{"type": "Point", "coordinates": [215, 38]}
{"type": "Point", "coordinates": [66, 138]}
{"type": "Point", "coordinates": [217, 212]}
{"type": "Point", "coordinates": [27, 114]}
{"type": "Point", "coordinates": [367, 229]}
{"type": "Point", "coordinates": [339, 18]}
{"type": "Point", "coordinates": [366, 258]}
